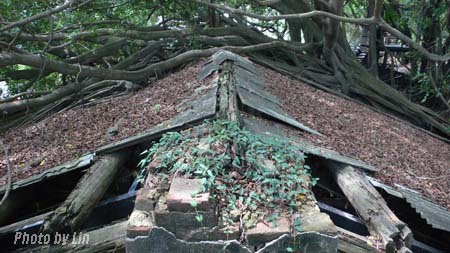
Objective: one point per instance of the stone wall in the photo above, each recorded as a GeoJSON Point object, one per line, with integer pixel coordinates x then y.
{"type": "Point", "coordinates": [164, 220]}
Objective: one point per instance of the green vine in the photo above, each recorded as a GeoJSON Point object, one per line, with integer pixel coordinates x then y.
{"type": "Point", "coordinates": [248, 174]}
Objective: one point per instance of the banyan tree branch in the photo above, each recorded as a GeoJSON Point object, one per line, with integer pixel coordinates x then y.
{"type": "Point", "coordinates": [376, 19]}
{"type": "Point", "coordinates": [82, 71]}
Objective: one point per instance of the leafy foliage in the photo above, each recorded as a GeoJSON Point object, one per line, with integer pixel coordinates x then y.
{"type": "Point", "coordinates": [246, 172]}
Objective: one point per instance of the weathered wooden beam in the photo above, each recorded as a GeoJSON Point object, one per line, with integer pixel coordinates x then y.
{"type": "Point", "coordinates": [92, 186]}
{"type": "Point", "coordinates": [350, 242]}
{"type": "Point", "coordinates": [11, 228]}
{"type": "Point", "coordinates": [371, 207]}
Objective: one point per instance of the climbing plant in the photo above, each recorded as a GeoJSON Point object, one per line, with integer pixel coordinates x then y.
{"type": "Point", "coordinates": [251, 177]}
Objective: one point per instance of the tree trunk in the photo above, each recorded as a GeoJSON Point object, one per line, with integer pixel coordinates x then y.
{"type": "Point", "coordinates": [212, 19]}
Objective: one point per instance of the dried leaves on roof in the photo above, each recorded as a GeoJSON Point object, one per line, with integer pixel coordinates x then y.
{"type": "Point", "coordinates": [404, 155]}
{"type": "Point", "coordinates": [69, 134]}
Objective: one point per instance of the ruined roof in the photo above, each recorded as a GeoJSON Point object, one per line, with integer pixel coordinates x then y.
{"type": "Point", "coordinates": [70, 134]}
{"type": "Point", "coordinates": [403, 154]}
{"type": "Point", "coordinates": [319, 123]}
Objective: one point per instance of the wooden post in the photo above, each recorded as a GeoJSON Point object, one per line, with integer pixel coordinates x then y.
{"type": "Point", "coordinates": [372, 208]}
{"type": "Point", "coordinates": [70, 216]}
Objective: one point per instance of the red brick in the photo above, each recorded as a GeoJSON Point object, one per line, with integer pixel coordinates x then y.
{"type": "Point", "coordinates": [179, 197]}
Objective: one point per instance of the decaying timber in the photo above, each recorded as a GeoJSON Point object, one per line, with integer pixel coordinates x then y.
{"type": "Point", "coordinates": [91, 188]}
{"type": "Point", "coordinates": [353, 243]}
{"type": "Point", "coordinates": [372, 208]}
{"type": "Point", "coordinates": [20, 224]}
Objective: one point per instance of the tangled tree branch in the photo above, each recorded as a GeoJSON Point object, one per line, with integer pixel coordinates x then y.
{"type": "Point", "coordinates": [83, 71]}
{"type": "Point", "coordinates": [375, 19]}
{"type": "Point", "coordinates": [310, 14]}
{"type": "Point", "coordinates": [137, 34]}
{"type": "Point", "coordinates": [106, 55]}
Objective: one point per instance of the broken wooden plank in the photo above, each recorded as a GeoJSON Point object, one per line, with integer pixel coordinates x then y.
{"type": "Point", "coordinates": [222, 55]}
{"type": "Point", "coordinates": [223, 98]}
{"type": "Point", "coordinates": [256, 81]}
{"type": "Point", "coordinates": [331, 155]}
{"type": "Point", "coordinates": [207, 70]}
{"type": "Point", "coordinates": [372, 208]}
{"type": "Point", "coordinates": [256, 78]}
{"type": "Point", "coordinates": [254, 89]}
{"type": "Point", "coordinates": [350, 242]}
{"type": "Point", "coordinates": [81, 162]}
{"type": "Point", "coordinates": [92, 186]}
{"type": "Point", "coordinates": [23, 223]}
